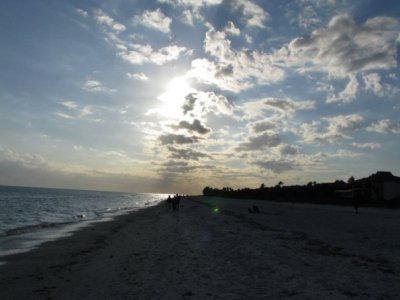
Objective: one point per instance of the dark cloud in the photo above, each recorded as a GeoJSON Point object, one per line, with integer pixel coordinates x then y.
{"type": "Point", "coordinates": [189, 103]}
{"type": "Point", "coordinates": [259, 142]}
{"type": "Point", "coordinates": [174, 168]}
{"type": "Point", "coordinates": [263, 126]}
{"type": "Point", "coordinates": [187, 154]}
{"type": "Point", "coordinates": [276, 166]}
{"type": "Point", "coordinates": [169, 139]}
{"type": "Point", "coordinates": [195, 126]}
{"type": "Point", "coordinates": [288, 150]}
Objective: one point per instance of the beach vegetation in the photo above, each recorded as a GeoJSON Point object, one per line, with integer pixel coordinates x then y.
{"type": "Point", "coordinates": [380, 189]}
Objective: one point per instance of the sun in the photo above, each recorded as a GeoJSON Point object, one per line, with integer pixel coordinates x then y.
{"type": "Point", "coordinates": [173, 98]}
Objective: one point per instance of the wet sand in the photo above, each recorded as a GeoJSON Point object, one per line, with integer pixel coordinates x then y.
{"type": "Point", "coordinates": [285, 251]}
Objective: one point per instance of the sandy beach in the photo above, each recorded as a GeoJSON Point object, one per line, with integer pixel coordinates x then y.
{"type": "Point", "coordinates": [215, 249]}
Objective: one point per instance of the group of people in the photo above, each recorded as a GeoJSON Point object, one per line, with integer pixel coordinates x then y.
{"type": "Point", "coordinates": [174, 202]}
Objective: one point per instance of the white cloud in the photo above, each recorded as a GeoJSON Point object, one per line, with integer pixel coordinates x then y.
{"type": "Point", "coordinates": [138, 76]}
{"type": "Point", "coordinates": [82, 12]}
{"type": "Point", "coordinates": [154, 20]}
{"type": "Point", "coordinates": [256, 109]}
{"type": "Point", "coordinates": [344, 47]}
{"type": "Point", "coordinates": [76, 109]}
{"type": "Point", "coordinates": [370, 146]}
{"type": "Point", "coordinates": [145, 54]}
{"type": "Point", "coordinates": [385, 126]}
{"type": "Point", "coordinates": [70, 104]}
{"type": "Point", "coordinates": [373, 83]}
{"type": "Point", "coordinates": [187, 17]}
{"type": "Point", "coordinates": [104, 19]}
{"type": "Point", "coordinates": [231, 29]}
{"type": "Point", "coordinates": [256, 15]}
{"type": "Point", "coordinates": [96, 86]}
{"type": "Point", "coordinates": [199, 104]}
{"type": "Point", "coordinates": [338, 127]}
{"type": "Point", "coordinates": [233, 70]}
{"type": "Point", "coordinates": [64, 116]}
{"type": "Point", "coordinates": [348, 94]}
{"type": "Point", "coordinates": [191, 3]}
{"type": "Point", "coordinates": [308, 17]}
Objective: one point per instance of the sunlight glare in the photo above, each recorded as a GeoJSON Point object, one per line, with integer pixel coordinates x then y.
{"type": "Point", "coordinates": [174, 98]}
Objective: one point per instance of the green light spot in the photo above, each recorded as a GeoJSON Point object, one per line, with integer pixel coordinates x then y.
{"type": "Point", "coordinates": [216, 210]}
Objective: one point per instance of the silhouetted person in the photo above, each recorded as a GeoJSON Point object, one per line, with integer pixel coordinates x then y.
{"type": "Point", "coordinates": [169, 202]}
{"type": "Point", "coordinates": [178, 201]}
{"type": "Point", "coordinates": [175, 202]}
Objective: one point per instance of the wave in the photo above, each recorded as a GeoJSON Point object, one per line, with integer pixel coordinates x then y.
{"type": "Point", "coordinates": [35, 227]}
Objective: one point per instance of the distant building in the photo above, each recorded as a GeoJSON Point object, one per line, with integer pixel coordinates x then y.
{"type": "Point", "coordinates": [380, 186]}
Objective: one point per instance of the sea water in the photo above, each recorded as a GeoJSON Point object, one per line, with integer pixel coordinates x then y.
{"type": "Point", "coordinates": [31, 216]}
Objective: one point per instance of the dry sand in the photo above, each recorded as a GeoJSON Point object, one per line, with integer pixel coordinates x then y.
{"type": "Point", "coordinates": [287, 251]}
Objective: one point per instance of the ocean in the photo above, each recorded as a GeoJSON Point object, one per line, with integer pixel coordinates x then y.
{"type": "Point", "coordinates": [31, 216]}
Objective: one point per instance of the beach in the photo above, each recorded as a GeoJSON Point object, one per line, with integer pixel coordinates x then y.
{"type": "Point", "coordinates": [214, 248]}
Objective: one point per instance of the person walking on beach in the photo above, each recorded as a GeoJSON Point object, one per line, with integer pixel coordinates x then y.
{"type": "Point", "coordinates": [178, 200]}
{"type": "Point", "coordinates": [169, 202]}
{"type": "Point", "coordinates": [175, 202]}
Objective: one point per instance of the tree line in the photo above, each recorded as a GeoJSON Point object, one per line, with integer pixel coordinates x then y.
{"type": "Point", "coordinates": [311, 192]}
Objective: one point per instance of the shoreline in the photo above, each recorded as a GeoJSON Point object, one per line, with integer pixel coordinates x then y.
{"type": "Point", "coordinates": [199, 253]}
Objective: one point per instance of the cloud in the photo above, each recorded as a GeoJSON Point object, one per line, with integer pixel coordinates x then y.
{"type": "Point", "coordinates": [260, 142]}
{"type": "Point", "coordinates": [284, 106]}
{"type": "Point", "coordinates": [308, 17]}
{"type": "Point", "coordinates": [288, 150]}
{"type": "Point", "coordinates": [138, 76]}
{"type": "Point", "coordinates": [154, 20]}
{"type": "Point", "coordinates": [288, 106]}
{"type": "Point", "coordinates": [64, 116]}
{"type": "Point", "coordinates": [169, 139]}
{"type": "Point", "coordinates": [373, 83]}
{"type": "Point", "coordinates": [262, 126]}
{"type": "Point", "coordinates": [233, 70]}
{"type": "Point", "coordinates": [385, 126]}
{"type": "Point", "coordinates": [76, 109]}
{"type": "Point", "coordinates": [338, 127]}
{"type": "Point", "coordinates": [344, 123]}
{"type": "Point", "coordinates": [201, 103]}
{"type": "Point", "coordinates": [231, 29]}
{"type": "Point", "coordinates": [70, 104]}
{"type": "Point", "coordinates": [255, 15]}
{"type": "Point", "coordinates": [186, 154]}
{"type": "Point", "coordinates": [195, 126]}
{"type": "Point", "coordinates": [348, 94]}
{"type": "Point", "coordinates": [187, 17]}
{"type": "Point", "coordinates": [104, 19]}
{"type": "Point", "coordinates": [369, 146]}
{"type": "Point", "coordinates": [344, 47]}
{"type": "Point", "coordinates": [275, 166]}
{"type": "Point", "coordinates": [191, 3]}
{"type": "Point", "coordinates": [30, 161]}
{"type": "Point", "coordinates": [174, 168]}
{"type": "Point", "coordinates": [91, 85]}
{"type": "Point", "coordinates": [82, 12]}
{"type": "Point", "coordinates": [140, 54]}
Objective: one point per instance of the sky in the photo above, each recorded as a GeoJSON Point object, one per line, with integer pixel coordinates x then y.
{"type": "Point", "coordinates": [171, 96]}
